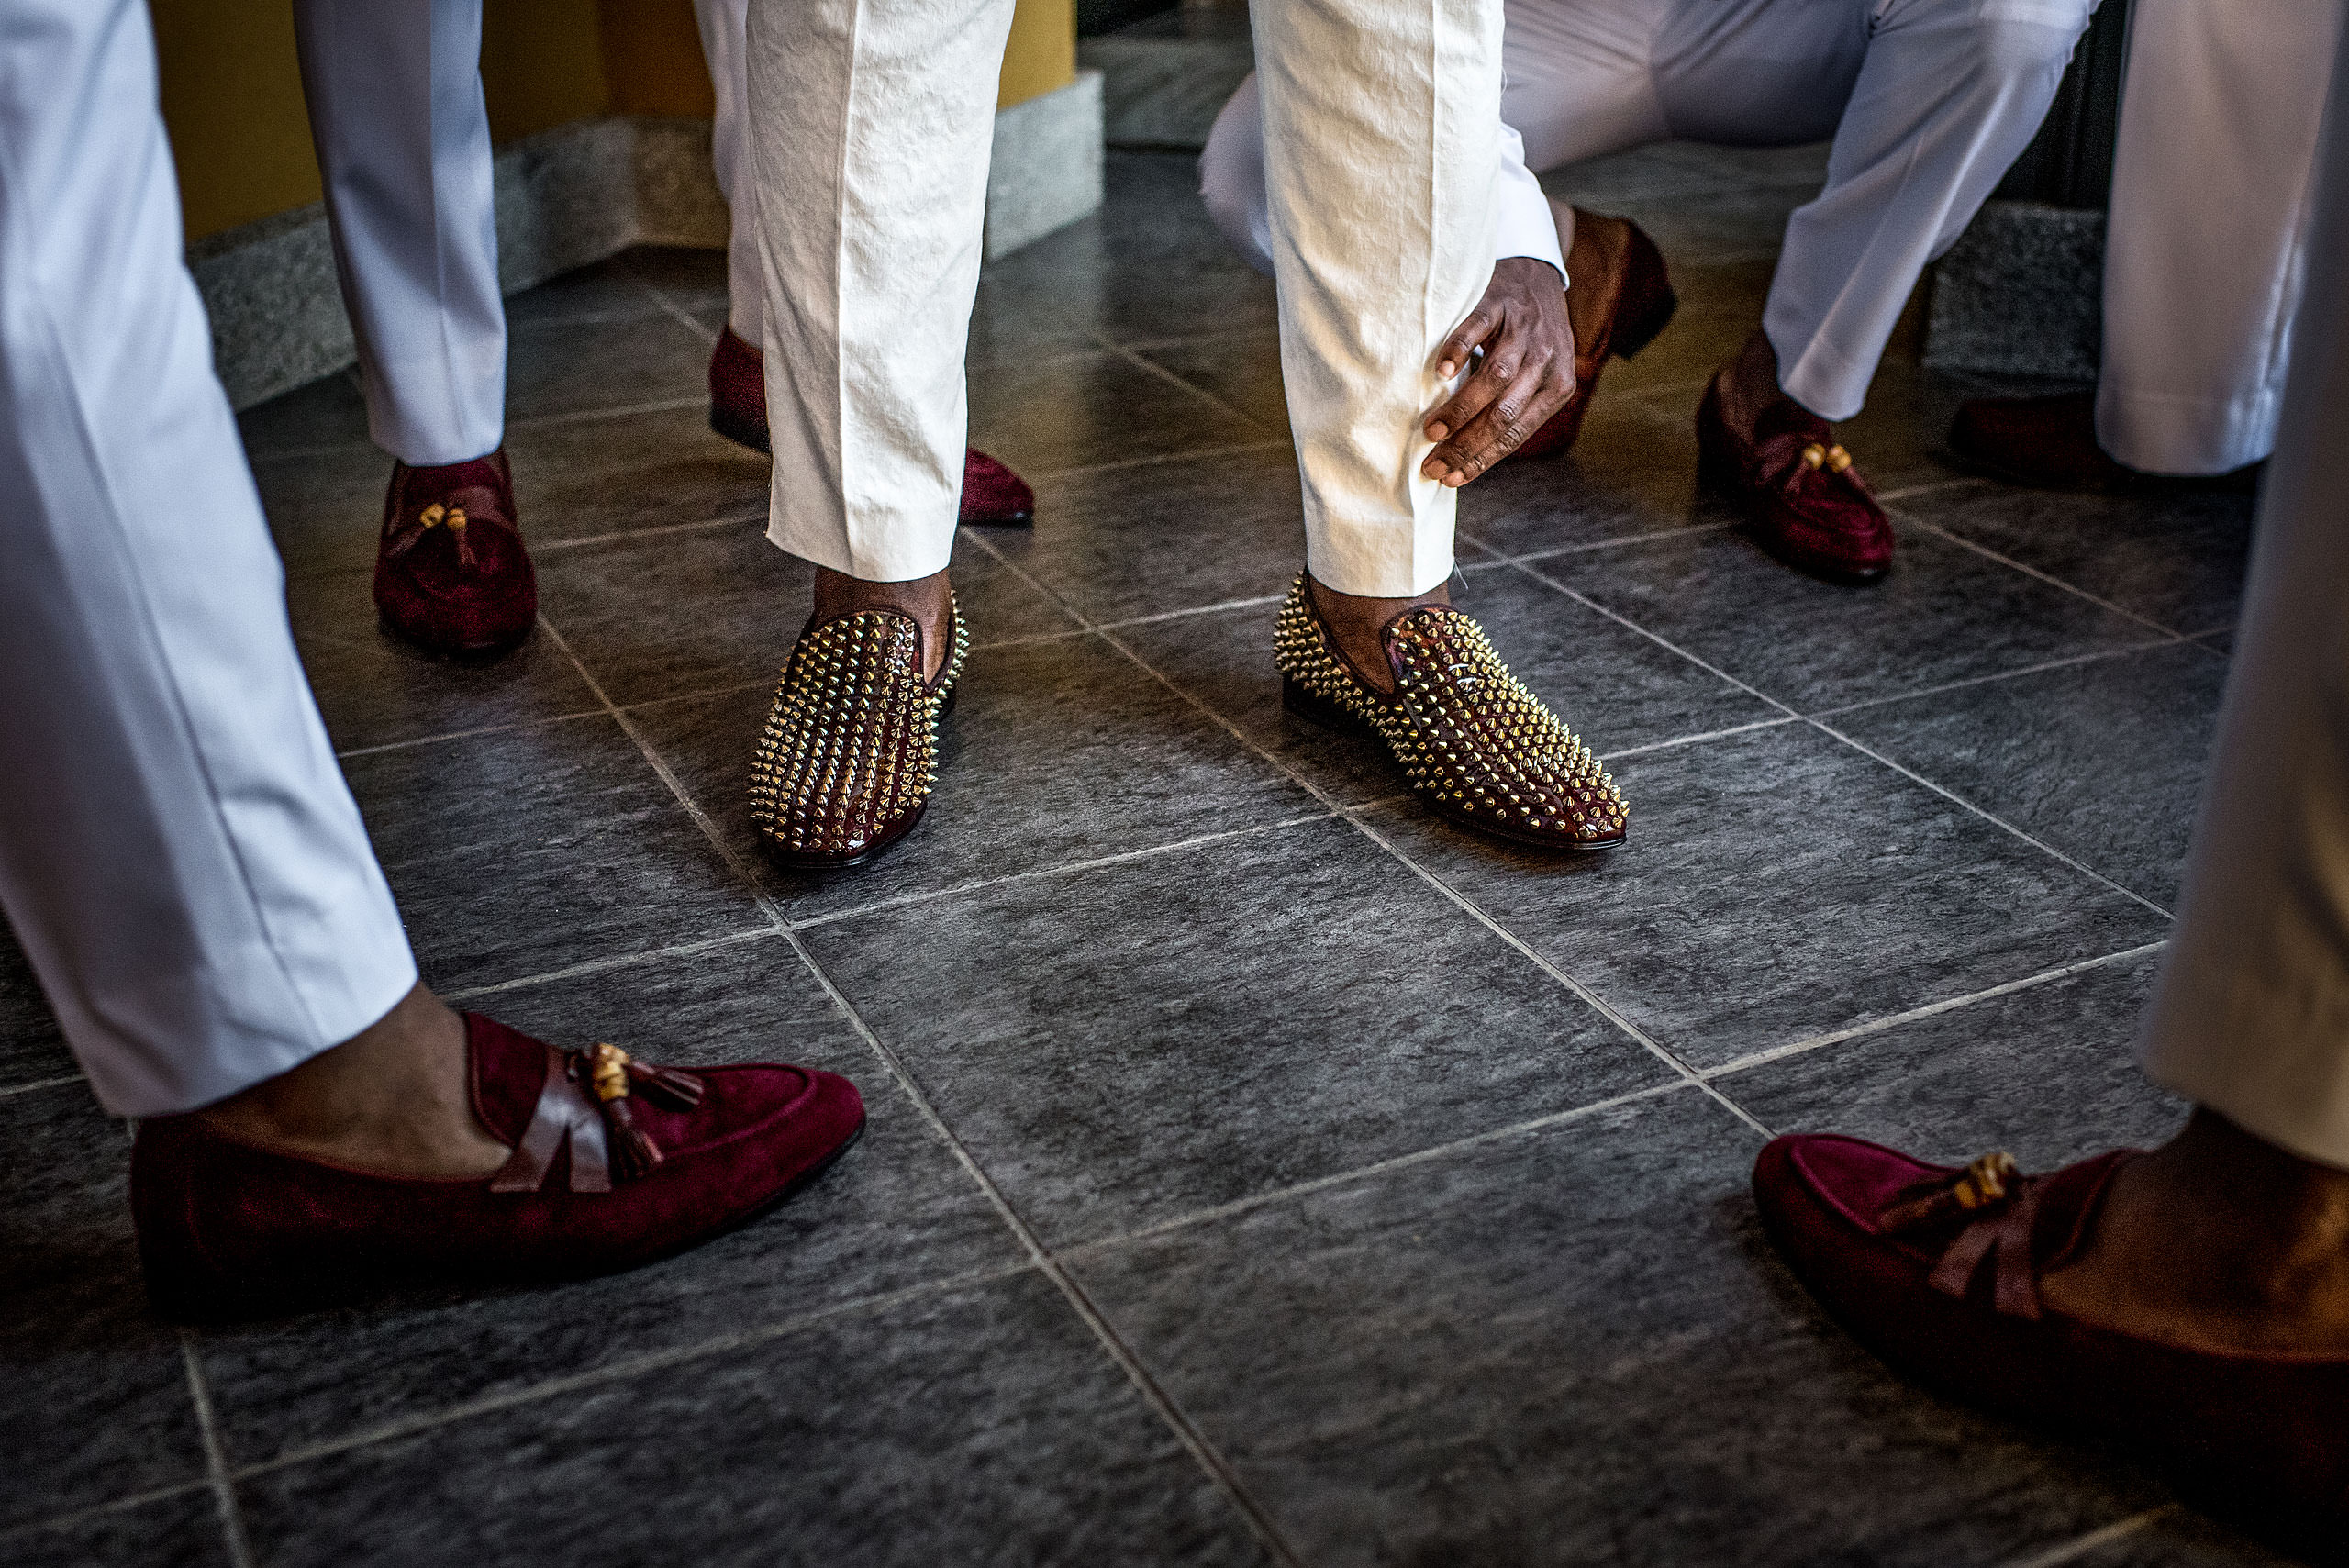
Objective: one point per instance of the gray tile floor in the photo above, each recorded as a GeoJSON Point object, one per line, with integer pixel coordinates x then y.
{"type": "Point", "coordinates": [1259, 1171]}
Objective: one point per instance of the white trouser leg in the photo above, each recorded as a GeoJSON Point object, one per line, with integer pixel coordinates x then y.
{"type": "Point", "coordinates": [1381, 131]}
{"type": "Point", "coordinates": [724, 24]}
{"type": "Point", "coordinates": [2208, 225]}
{"type": "Point", "coordinates": [1949, 94]}
{"type": "Point", "coordinates": [403, 140]}
{"type": "Point", "coordinates": [2252, 1019]}
{"type": "Point", "coordinates": [178, 852]}
{"type": "Point", "coordinates": [870, 125]}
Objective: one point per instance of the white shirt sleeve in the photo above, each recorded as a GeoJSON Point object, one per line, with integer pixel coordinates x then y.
{"type": "Point", "coordinates": [1523, 225]}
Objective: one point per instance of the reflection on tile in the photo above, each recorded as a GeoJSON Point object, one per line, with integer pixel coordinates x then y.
{"type": "Point", "coordinates": [897, 1211]}
{"type": "Point", "coordinates": [1942, 614]}
{"type": "Point", "coordinates": [527, 850]}
{"type": "Point", "coordinates": [94, 1389]}
{"type": "Point", "coordinates": [2048, 1073]}
{"type": "Point", "coordinates": [1079, 410]}
{"type": "Point", "coordinates": [2104, 760]}
{"type": "Point", "coordinates": [983, 1425]}
{"type": "Point", "coordinates": [663, 617]}
{"type": "Point", "coordinates": [2177, 560]}
{"type": "Point", "coordinates": [1113, 1046]}
{"type": "Point", "coordinates": [375, 690]}
{"type": "Point", "coordinates": [558, 367]}
{"type": "Point", "coordinates": [1569, 1347]}
{"type": "Point", "coordinates": [1778, 885]}
{"type": "Point", "coordinates": [1055, 752]}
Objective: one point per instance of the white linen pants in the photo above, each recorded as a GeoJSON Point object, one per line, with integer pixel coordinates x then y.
{"type": "Point", "coordinates": [870, 126]}
{"type": "Point", "coordinates": [2208, 228]}
{"type": "Point", "coordinates": [179, 854]}
{"type": "Point", "coordinates": [402, 132]}
{"type": "Point", "coordinates": [2251, 1018]}
{"type": "Point", "coordinates": [724, 45]}
{"type": "Point", "coordinates": [1927, 102]}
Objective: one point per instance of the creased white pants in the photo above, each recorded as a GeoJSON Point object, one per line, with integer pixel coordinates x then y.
{"type": "Point", "coordinates": [871, 122]}
{"type": "Point", "coordinates": [2251, 1018]}
{"type": "Point", "coordinates": [724, 24]}
{"type": "Point", "coordinates": [179, 854]}
{"type": "Point", "coordinates": [1927, 102]}
{"type": "Point", "coordinates": [2208, 228]}
{"type": "Point", "coordinates": [402, 132]}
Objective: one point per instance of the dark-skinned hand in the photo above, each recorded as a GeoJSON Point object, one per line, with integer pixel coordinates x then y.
{"type": "Point", "coordinates": [1527, 374]}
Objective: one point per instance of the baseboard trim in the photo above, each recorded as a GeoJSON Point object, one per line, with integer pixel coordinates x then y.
{"type": "Point", "coordinates": [575, 194]}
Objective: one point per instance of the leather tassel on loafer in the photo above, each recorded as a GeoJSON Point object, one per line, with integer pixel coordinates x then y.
{"type": "Point", "coordinates": [844, 767]}
{"type": "Point", "coordinates": [615, 1163]}
{"type": "Point", "coordinates": [1478, 747]}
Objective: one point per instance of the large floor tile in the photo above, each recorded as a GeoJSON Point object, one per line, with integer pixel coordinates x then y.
{"type": "Point", "coordinates": [1123, 1045]}
{"type": "Point", "coordinates": [326, 507]}
{"type": "Point", "coordinates": [517, 853]}
{"type": "Point", "coordinates": [93, 1393]}
{"type": "Point", "coordinates": [1572, 1347]}
{"type": "Point", "coordinates": [1141, 541]}
{"type": "Point", "coordinates": [1617, 689]}
{"type": "Point", "coordinates": [980, 1426]}
{"type": "Point", "coordinates": [375, 689]}
{"type": "Point", "coordinates": [2176, 560]}
{"type": "Point", "coordinates": [1083, 409]}
{"type": "Point", "coordinates": [558, 369]}
{"type": "Point", "coordinates": [1632, 473]}
{"type": "Point", "coordinates": [326, 412]}
{"type": "Point", "coordinates": [671, 615]}
{"type": "Point", "coordinates": [897, 1211]}
{"type": "Point", "coordinates": [1942, 614]}
{"type": "Point", "coordinates": [2048, 1073]}
{"type": "Point", "coordinates": [618, 474]}
{"type": "Point", "coordinates": [1243, 370]}
{"type": "Point", "coordinates": [1778, 885]}
{"type": "Point", "coordinates": [1055, 752]}
{"type": "Point", "coordinates": [2104, 760]}
{"type": "Point", "coordinates": [181, 1531]}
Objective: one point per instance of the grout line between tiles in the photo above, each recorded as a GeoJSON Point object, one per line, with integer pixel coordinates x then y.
{"type": "Point", "coordinates": [1193, 454]}
{"type": "Point", "coordinates": [1502, 558]}
{"type": "Point", "coordinates": [615, 411]}
{"type": "Point", "coordinates": [414, 740]}
{"type": "Point", "coordinates": [620, 536]}
{"type": "Point", "coordinates": [1375, 1169]}
{"type": "Point", "coordinates": [1931, 487]}
{"type": "Point", "coordinates": [907, 900]}
{"type": "Point", "coordinates": [2094, 1540]}
{"type": "Point", "coordinates": [1466, 904]}
{"type": "Point", "coordinates": [1186, 1431]}
{"type": "Point", "coordinates": [100, 1510]}
{"type": "Point", "coordinates": [2101, 655]}
{"type": "Point", "coordinates": [38, 1084]}
{"type": "Point", "coordinates": [2047, 577]}
{"type": "Point", "coordinates": [605, 965]}
{"type": "Point", "coordinates": [623, 1369]}
{"type": "Point", "coordinates": [1930, 1010]}
{"type": "Point", "coordinates": [216, 1457]}
{"type": "Point", "coordinates": [686, 318]}
{"type": "Point", "coordinates": [1143, 362]}
{"type": "Point", "coordinates": [1698, 738]}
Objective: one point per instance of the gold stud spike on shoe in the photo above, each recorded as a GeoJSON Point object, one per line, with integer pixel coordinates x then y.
{"type": "Point", "coordinates": [845, 764]}
{"type": "Point", "coordinates": [1477, 745]}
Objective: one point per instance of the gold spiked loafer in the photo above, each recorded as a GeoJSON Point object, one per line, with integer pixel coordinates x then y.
{"type": "Point", "coordinates": [845, 764]}
{"type": "Point", "coordinates": [1477, 745]}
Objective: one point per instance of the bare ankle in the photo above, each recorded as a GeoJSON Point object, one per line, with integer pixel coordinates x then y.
{"type": "Point", "coordinates": [929, 600]}
{"type": "Point", "coordinates": [395, 1098]}
{"type": "Point", "coordinates": [1357, 623]}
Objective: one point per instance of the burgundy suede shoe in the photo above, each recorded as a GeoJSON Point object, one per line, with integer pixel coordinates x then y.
{"type": "Point", "coordinates": [992, 493]}
{"type": "Point", "coordinates": [2049, 444]}
{"type": "Point", "coordinates": [615, 1164]}
{"type": "Point", "coordinates": [451, 573]}
{"type": "Point", "coordinates": [1937, 1269]}
{"type": "Point", "coordinates": [1799, 492]}
{"type": "Point", "coordinates": [1622, 299]}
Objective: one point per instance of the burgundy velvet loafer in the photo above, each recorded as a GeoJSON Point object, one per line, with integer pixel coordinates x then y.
{"type": "Point", "coordinates": [1798, 492]}
{"type": "Point", "coordinates": [992, 493]}
{"type": "Point", "coordinates": [1624, 299]}
{"type": "Point", "coordinates": [2049, 444]}
{"type": "Point", "coordinates": [451, 573]}
{"type": "Point", "coordinates": [615, 1164]}
{"type": "Point", "coordinates": [1937, 1269]}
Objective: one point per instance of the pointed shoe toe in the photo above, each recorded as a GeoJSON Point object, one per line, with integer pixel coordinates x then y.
{"type": "Point", "coordinates": [1475, 745]}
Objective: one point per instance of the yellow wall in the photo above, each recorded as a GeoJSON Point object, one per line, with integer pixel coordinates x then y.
{"type": "Point", "coordinates": [232, 94]}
